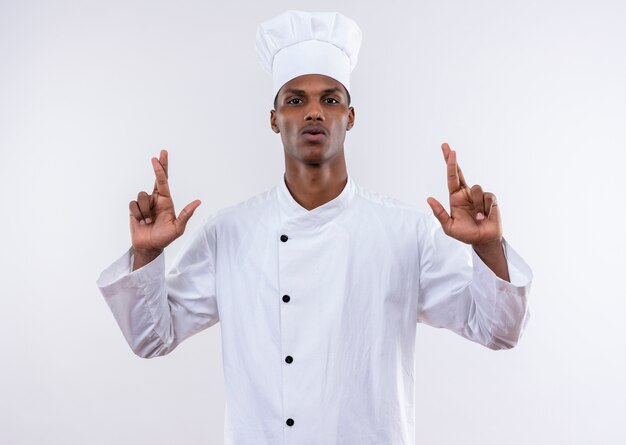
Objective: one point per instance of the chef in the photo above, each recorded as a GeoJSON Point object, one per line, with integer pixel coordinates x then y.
{"type": "Point", "coordinates": [318, 283]}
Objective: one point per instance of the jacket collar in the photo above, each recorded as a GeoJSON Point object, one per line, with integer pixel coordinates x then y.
{"type": "Point", "coordinates": [291, 210]}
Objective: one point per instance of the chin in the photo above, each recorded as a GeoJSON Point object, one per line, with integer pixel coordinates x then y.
{"type": "Point", "coordinates": [312, 153]}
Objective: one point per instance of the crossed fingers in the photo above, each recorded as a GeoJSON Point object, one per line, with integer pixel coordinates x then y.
{"type": "Point", "coordinates": [482, 202]}
{"type": "Point", "coordinates": [163, 160]}
{"type": "Point", "coordinates": [456, 180]}
{"type": "Point", "coordinates": [141, 208]}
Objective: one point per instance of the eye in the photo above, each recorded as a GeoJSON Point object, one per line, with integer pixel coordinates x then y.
{"type": "Point", "coordinates": [331, 100]}
{"type": "Point", "coordinates": [291, 101]}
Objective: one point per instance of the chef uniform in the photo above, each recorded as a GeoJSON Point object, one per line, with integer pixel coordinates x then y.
{"type": "Point", "coordinates": [318, 308]}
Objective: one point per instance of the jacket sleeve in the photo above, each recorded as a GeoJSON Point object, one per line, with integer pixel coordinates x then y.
{"type": "Point", "coordinates": [155, 311]}
{"type": "Point", "coordinates": [457, 291]}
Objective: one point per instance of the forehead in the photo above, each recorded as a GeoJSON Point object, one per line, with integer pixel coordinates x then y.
{"type": "Point", "coordinates": [312, 84]}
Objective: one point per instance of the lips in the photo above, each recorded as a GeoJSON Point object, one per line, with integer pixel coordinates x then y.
{"type": "Point", "coordinates": [314, 130]}
{"type": "Point", "coordinates": [314, 133]}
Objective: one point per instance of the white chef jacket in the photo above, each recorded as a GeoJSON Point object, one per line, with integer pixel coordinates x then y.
{"type": "Point", "coordinates": [318, 311]}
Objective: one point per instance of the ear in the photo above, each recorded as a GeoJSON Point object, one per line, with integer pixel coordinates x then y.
{"type": "Point", "coordinates": [273, 121]}
{"type": "Point", "coordinates": [350, 119]}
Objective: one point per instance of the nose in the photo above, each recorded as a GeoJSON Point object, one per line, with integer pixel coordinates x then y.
{"type": "Point", "coordinates": [314, 112]}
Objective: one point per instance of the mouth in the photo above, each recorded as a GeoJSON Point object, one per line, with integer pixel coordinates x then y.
{"type": "Point", "coordinates": [313, 133]}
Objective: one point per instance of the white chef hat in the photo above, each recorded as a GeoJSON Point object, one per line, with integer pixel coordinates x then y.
{"type": "Point", "coordinates": [295, 43]}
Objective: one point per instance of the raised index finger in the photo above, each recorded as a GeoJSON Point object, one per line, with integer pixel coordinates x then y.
{"type": "Point", "coordinates": [454, 182]}
{"type": "Point", "coordinates": [163, 161]}
{"type": "Point", "coordinates": [161, 178]}
{"type": "Point", "coordinates": [445, 148]}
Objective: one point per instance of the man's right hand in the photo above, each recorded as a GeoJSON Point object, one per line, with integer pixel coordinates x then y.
{"type": "Point", "coordinates": [153, 222]}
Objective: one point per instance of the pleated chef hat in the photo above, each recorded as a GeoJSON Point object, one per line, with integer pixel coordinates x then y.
{"type": "Point", "coordinates": [295, 43]}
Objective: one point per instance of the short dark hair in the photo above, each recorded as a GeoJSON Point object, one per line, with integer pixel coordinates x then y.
{"type": "Point", "coordinates": [345, 89]}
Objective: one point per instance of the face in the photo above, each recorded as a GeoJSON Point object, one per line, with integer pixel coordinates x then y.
{"type": "Point", "coordinates": [312, 116]}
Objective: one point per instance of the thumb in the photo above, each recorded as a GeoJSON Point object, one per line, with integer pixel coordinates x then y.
{"type": "Point", "coordinates": [185, 214]}
{"type": "Point", "coordinates": [440, 213]}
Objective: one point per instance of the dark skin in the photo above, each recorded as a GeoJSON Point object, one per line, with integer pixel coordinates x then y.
{"type": "Point", "coordinates": [315, 167]}
{"type": "Point", "coordinates": [312, 115]}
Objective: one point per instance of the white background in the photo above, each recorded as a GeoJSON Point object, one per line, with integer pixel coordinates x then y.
{"type": "Point", "coordinates": [531, 93]}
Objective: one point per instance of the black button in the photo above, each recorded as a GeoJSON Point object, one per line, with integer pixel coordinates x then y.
{"type": "Point", "coordinates": [284, 238]}
{"type": "Point", "coordinates": [290, 422]}
{"type": "Point", "coordinates": [289, 359]}
{"type": "Point", "coordinates": [286, 298]}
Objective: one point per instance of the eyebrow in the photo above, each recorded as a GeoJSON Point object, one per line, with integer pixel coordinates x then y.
{"type": "Point", "coordinates": [302, 92]}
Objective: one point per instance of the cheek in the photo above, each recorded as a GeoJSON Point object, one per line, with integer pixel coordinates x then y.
{"type": "Point", "coordinates": [340, 126]}
{"type": "Point", "coordinates": [285, 125]}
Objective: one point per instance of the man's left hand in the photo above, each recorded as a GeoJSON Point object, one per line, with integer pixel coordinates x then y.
{"type": "Point", "coordinates": [474, 216]}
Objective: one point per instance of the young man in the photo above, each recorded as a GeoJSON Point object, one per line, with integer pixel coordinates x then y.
{"type": "Point", "coordinates": [318, 283]}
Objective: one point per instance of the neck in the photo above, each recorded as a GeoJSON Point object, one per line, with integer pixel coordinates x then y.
{"type": "Point", "coordinates": [314, 185]}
